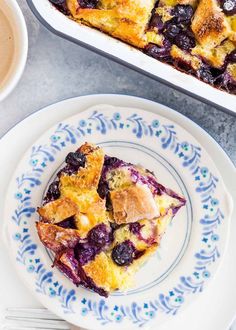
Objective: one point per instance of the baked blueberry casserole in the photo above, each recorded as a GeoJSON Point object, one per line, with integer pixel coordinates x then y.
{"type": "Point", "coordinates": [195, 36]}
{"type": "Point", "coordinates": [102, 218]}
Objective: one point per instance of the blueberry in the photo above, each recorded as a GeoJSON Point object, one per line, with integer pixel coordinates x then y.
{"type": "Point", "coordinates": [76, 159]}
{"type": "Point", "coordinates": [88, 3]}
{"type": "Point", "coordinates": [53, 189]}
{"type": "Point", "coordinates": [160, 53]}
{"type": "Point", "coordinates": [123, 253]}
{"type": "Point", "coordinates": [53, 192]}
{"type": "Point", "coordinates": [104, 192]}
{"type": "Point", "coordinates": [171, 30]}
{"type": "Point", "coordinates": [109, 206]}
{"type": "Point", "coordinates": [156, 22]}
{"type": "Point", "coordinates": [185, 41]}
{"type": "Point", "coordinates": [99, 235]}
{"type": "Point", "coordinates": [229, 7]}
{"type": "Point", "coordinates": [183, 14]}
{"type": "Point", "coordinates": [232, 57]}
{"type": "Point", "coordinates": [103, 189]}
{"type": "Point", "coordinates": [205, 74]}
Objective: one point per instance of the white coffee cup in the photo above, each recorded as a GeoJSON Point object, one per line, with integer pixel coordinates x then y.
{"type": "Point", "coordinates": [10, 11]}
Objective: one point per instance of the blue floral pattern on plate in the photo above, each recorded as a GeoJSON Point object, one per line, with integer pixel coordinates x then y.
{"type": "Point", "coordinates": [165, 136]}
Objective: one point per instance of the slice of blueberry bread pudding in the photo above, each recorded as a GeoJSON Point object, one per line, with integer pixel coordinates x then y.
{"type": "Point", "coordinates": [102, 218]}
{"type": "Point", "coordinates": [195, 36]}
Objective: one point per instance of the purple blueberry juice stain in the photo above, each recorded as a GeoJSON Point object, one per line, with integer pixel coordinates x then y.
{"type": "Point", "coordinates": [71, 269]}
{"type": "Point", "coordinates": [88, 283]}
{"type": "Point", "coordinates": [85, 253]}
{"type": "Point", "coordinates": [138, 254]}
{"type": "Point", "coordinates": [136, 228]}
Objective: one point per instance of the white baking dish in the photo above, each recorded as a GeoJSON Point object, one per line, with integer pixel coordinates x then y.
{"type": "Point", "coordinates": [128, 55]}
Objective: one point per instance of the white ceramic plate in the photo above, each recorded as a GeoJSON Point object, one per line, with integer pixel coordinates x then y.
{"type": "Point", "coordinates": [130, 56]}
{"type": "Point", "coordinates": [198, 232]}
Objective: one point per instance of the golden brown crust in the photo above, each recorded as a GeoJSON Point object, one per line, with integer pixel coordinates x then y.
{"type": "Point", "coordinates": [216, 56]}
{"type": "Point", "coordinates": [58, 210]}
{"type": "Point", "coordinates": [209, 24]}
{"type": "Point", "coordinates": [83, 198]}
{"type": "Point", "coordinates": [79, 197]}
{"type": "Point", "coordinates": [57, 238]}
{"type": "Point", "coordinates": [123, 19]}
{"type": "Point", "coordinates": [103, 272]}
{"type": "Point", "coordinates": [133, 203]}
{"type": "Point", "coordinates": [109, 276]}
{"type": "Point", "coordinates": [87, 177]}
{"type": "Point", "coordinates": [180, 55]}
{"type": "Point", "coordinates": [95, 214]}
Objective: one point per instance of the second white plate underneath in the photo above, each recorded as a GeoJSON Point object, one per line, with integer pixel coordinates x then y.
{"type": "Point", "coordinates": [198, 232]}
